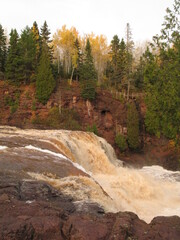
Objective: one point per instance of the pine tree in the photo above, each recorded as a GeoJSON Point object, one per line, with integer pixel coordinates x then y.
{"type": "Point", "coordinates": [76, 61]}
{"type": "Point", "coordinates": [45, 32]}
{"type": "Point", "coordinates": [138, 74]}
{"type": "Point", "coordinates": [3, 50]}
{"type": "Point", "coordinates": [45, 38]}
{"type": "Point", "coordinates": [45, 82]}
{"type": "Point", "coordinates": [118, 64]}
{"type": "Point", "coordinates": [122, 62]}
{"type": "Point", "coordinates": [28, 54]}
{"type": "Point", "coordinates": [88, 75]}
{"type": "Point", "coordinates": [133, 127]}
{"type": "Point", "coordinates": [36, 37]}
{"type": "Point", "coordinates": [162, 79]}
{"type": "Point", "coordinates": [115, 44]}
{"type": "Point", "coordinates": [14, 62]}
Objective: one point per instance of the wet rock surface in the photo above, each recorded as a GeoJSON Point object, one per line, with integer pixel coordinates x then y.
{"type": "Point", "coordinates": [34, 210]}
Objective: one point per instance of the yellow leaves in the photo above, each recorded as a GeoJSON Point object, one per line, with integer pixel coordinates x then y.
{"type": "Point", "coordinates": [63, 43]}
{"type": "Point", "coordinates": [64, 46]}
{"type": "Point", "coordinates": [65, 37]}
{"type": "Point", "coordinates": [100, 50]}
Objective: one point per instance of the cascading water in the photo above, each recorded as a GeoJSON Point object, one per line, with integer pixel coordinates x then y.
{"type": "Point", "coordinates": [149, 192]}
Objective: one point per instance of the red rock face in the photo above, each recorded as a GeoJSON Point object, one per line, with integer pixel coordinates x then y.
{"type": "Point", "coordinates": [106, 112]}
{"type": "Point", "coordinates": [107, 120]}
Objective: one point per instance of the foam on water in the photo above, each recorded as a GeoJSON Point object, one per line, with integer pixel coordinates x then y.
{"type": "Point", "coordinates": [3, 147]}
{"type": "Point", "coordinates": [59, 155]}
{"type": "Point", "coordinates": [159, 172]}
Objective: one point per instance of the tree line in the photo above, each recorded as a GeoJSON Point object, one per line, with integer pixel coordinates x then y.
{"type": "Point", "coordinates": [70, 56]}
{"type": "Point", "coordinates": [34, 57]}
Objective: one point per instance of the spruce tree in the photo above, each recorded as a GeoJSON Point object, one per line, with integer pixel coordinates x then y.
{"type": "Point", "coordinates": [88, 75]}
{"type": "Point", "coordinates": [45, 38]}
{"type": "Point", "coordinates": [45, 32]}
{"type": "Point", "coordinates": [36, 37]}
{"type": "Point", "coordinates": [122, 62]}
{"type": "Point", "coordinates": [3, 50]}
{"type": "Point", "coordinates": [45, 82]}
{"type": "Point", "coordinates": [118, 66]}
{"type": "Point", "coordinates": [161, 76]}
{"type": "Point", "coordinates": [77, 59]}
{"type": "Point", "coordinates": [115, 44]}
{"type": "Point", "coordinates": [28, 54]}
{"type": "Point", "coordinates": [13, 67]}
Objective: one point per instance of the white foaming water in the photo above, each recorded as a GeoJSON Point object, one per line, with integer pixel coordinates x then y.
{"type": "Point", "coordinates": [159, 172]}
{"type": "Point", "coordinates": [3, 147]}
{"type": "Point", "coordinates": [59, 155]}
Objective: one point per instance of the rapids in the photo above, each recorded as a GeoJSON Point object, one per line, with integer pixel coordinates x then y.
{"type": "Point", "coordinates": [85, 167]}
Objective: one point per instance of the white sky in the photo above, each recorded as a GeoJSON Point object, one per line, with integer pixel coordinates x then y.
{"type": "Point", "coordinates": [108, 17]}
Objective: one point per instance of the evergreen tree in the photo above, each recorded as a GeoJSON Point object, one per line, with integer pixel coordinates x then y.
{"type": "Point", "coordinates": [45, 32]}
{"type": "Point", "coordinates": [162, 79]}
{"type": "Point", "coordinates": [88, 75]}
{"type": "Point", "coordinates": [45, 38]}
{"type": "Point", "coordinates": [115, 48]}
{"type": "Point", "coordinates": [3, 50]}
{"type": "Point", "coordinates": [45, 82]}
{"type": "Point", "coordinates": [133, 127]}
{"type": "Point", "coordinates": [122, 62]}
{"type": "Point", "coordinates": [118, 64]}
{"type": "Point", "coordinates": [36, 38]}
{"type": "Point", "coordinates": [28, 54]}
{"type": "Point", "coordinates": [138, 74]}
{"type": "Point", "coordinates": [13, 67]}
{"type": "Point", "coordinates": [77, 57]}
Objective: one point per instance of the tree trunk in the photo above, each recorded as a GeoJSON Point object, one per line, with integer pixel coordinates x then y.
{"type": "Point", "coordinates": [71, 76]}
{"type": "Point", "coordinates": [128, 89]}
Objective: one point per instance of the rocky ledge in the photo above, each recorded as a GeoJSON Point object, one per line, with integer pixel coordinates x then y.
{"type": "Point", "coordinates": [34, 210]}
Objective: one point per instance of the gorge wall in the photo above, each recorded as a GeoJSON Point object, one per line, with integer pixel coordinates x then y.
{"type": "Point", "coordinates": [107, 113]}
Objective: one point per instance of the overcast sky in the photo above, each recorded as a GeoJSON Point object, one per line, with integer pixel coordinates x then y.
{"type": "Point", "coordinates": [108, 17]}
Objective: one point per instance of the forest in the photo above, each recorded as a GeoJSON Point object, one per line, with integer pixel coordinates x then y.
{"type": "Point", "coordinates": [33, 57]}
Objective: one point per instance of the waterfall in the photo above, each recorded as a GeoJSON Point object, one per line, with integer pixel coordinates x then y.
{"type": "Point", "coordinates": [148, 192]}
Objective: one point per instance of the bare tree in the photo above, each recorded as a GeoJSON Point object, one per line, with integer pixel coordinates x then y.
{"type": "Point", "coordinates": [129, 49]}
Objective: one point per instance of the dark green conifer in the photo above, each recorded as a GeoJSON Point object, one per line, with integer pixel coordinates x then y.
{"type": "Point", "coordinates": [162, 79]}
{"type": "Point", "coordinates": [3, 49]}
{"type": "Point", "coordinates": [14, 62]}
{"type": "Point", "coordinates": [45, 38]}
{"type": "Point", "coordinates": [28, 54]}
{"type": "Point", "coordinates": [115, 44]}
{"type": "Point", "coordinates": [88, 75]}
{"type": "Point", "coordinates": [78, 60]}
{"type": "Point", "coordinates": [45, 33]}
{"type": "Point", "coordinates": [36, 37]}
{"type": "Point", "coordinates": [45, 82]}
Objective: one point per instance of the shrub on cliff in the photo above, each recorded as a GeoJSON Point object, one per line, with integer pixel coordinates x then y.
{"type": "Point", "coordinates": [120, 140]}
{"type": "Point", "coordinates": [67, 119]}
{"type": "Point", "coordinates": [93, 129]}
